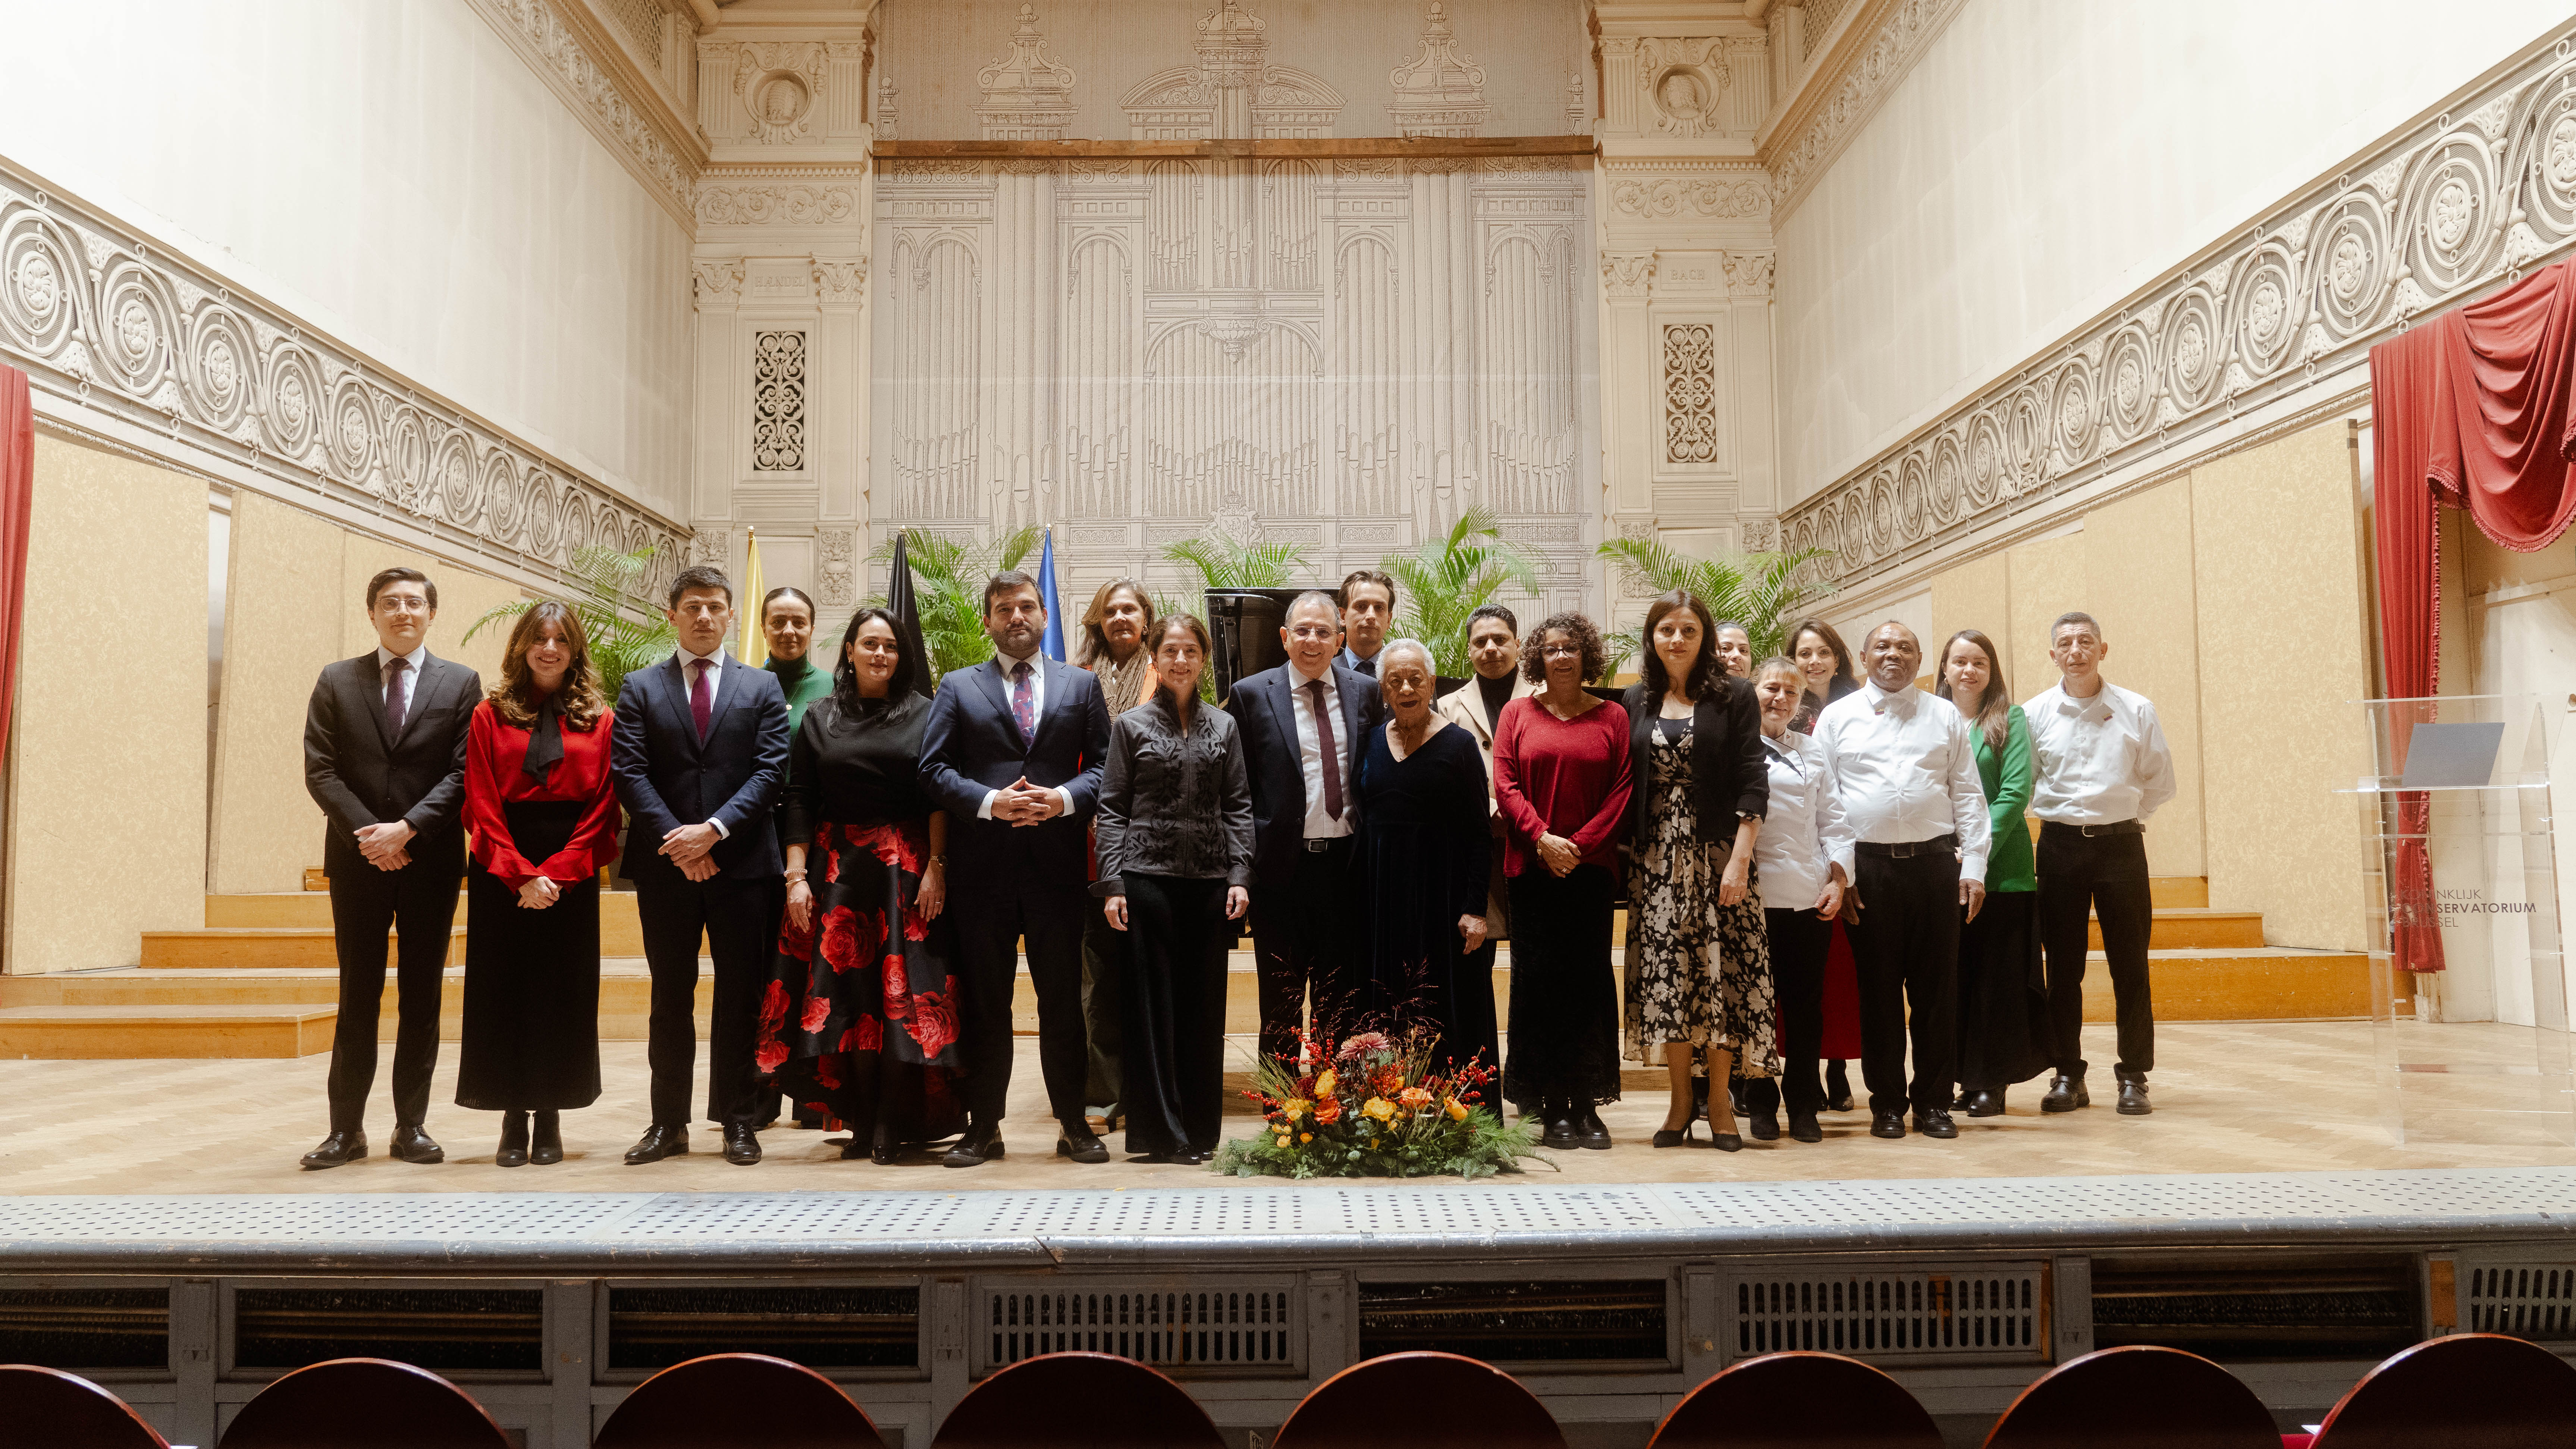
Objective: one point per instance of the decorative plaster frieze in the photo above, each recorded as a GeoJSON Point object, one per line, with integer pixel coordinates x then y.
{"type": "Point", "coordinates": [2425, 219]}
{"type": "Point", "coordinates": [560, 54]}
{"type": "Point", "coordinates": [1842, 94]}
{"type": "Point", "coordinates": [1747, 193]}
{"type": "Point", "coordinates": [789, 203]}
{"type": "Point", "coordinates": [103, 320]}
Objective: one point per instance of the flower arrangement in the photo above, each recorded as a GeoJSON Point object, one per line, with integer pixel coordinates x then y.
{"type": "Point", "coordinates": [1374, 1108]}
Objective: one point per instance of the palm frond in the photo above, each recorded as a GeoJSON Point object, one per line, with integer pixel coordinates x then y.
{"type": "Point", "coordinates": [1756, 590]}
{"type": "Point", "coordinates": [1442, 582]}
{"type": "Point", "coordinates": [620, 642]}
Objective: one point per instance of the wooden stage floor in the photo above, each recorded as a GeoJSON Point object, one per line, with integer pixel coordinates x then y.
{"type": "Point", "coordinates": [2230, 1097]}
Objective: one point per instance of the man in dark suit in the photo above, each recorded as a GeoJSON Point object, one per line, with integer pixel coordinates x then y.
{"type": "Point", "coordinates": [384, 756]}
{"type": "Point", "coordinates": [1304, 725]}
{"type": "Point", "coordinates": [699, 751]}
{"type": "Point", "coordinates": [1013, 751]}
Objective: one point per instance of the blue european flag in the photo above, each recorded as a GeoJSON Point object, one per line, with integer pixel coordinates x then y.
{"type": "Point", "coordinates": [1053, 648]}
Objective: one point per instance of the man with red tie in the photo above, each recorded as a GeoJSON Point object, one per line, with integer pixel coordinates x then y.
{"type": "Point", "coordinates": [699, 749]}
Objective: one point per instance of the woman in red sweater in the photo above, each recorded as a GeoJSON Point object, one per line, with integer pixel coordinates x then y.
{"type": "Point", "coordinates": [1561, 781]}
{"type": "Point", "coordinates": [544, 815]}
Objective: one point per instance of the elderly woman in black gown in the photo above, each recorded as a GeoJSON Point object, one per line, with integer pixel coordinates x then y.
{"type": "Point", "coordinates": [1422, 864]}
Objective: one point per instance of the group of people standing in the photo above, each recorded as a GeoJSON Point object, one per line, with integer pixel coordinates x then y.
{"type": "Point", "coordinates": [1111, 824]}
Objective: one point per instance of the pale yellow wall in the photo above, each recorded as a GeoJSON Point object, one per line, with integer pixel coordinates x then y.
{"type": "Point", "coordinates": [108, 737]}
{"type": "Point", "coordinates": [2279, 576]}
{"type": "Point", "coordinates": [2138, 585]}
{"type": "Point", "coordinates": [1975, 595]}
{"type": "Point", "coordinates": [2049, 577]}
{"type": "Point", "coordinates": [295, 603]}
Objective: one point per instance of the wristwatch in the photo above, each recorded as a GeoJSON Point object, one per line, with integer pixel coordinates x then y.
{"type": "Point", "coordinates": [939, 860]}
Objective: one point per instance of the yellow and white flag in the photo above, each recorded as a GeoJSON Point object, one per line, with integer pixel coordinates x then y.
{"type": "Point", "coordinates": [755, 643]}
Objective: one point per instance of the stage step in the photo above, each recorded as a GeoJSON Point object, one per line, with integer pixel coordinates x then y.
{"type": "Point", "coordinates": [2194, 927]}
{"type": "Point", "coordinates": [293, 930]}
{"type": "Point", "coordinates": [2164, 890]}
{"type": "Point", "coordinates": [91, 1033]}
{"type": "Point", "coordinates": [2272, 983]}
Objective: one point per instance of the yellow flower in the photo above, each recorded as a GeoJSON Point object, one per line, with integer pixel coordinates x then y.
{"type": "Point", "coordinates": [1296, 1107]}
{"type": "Point", "coordinates": [1283, 1139]}
{"type": "Point", "coordinates": [1324, 1083]}
{"type": "Point", "coordinates": [1379, 1108]}
{"type": "Point", "coordinates": [1305, 1136]}
{"type": "Point", "coordinates": [1456, 1109]}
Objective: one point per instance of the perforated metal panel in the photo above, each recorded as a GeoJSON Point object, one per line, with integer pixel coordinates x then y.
{"type": "Point", "coordinates": [1247, 1328]}
{"type": "Point", "coordinates": [2534, 1300]}
{"type": "Point", "coordinates": [1985, 1313]}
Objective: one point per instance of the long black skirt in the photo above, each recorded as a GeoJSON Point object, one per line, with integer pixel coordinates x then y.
{"type": "Point", "coordinates": [2003, 994]}
{"type": "Point", "coordinates": [531, 1037]}
{"type": "Point", "coordinates": [1564, 1036]}
{"type": "Point", "coordinates": [1172, 1063]}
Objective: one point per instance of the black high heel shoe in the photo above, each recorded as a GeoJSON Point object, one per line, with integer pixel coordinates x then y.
{"type": "Point", "coordinates": [1723, 1141]}
{"type": "Point", "coordinates": [514, 1141]}
{"type": "Point", "coordinates": [547, 1145]}
{"type": "Point", "coordinates": [1676, 1136]}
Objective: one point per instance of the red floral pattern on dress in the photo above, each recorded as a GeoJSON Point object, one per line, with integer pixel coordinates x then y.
{"type": "Point", "coordinates": [818, 1010]}
{"type": "Point", "coordinates": [898, 988]}
{"type": "Point", "coordinates": [773, 1008]}
{"type": "Point", "coordinates": [795, 941]}
{"type": "Point", "coordinates": [934, 1023]}
{"type": "Point", "coordinates": [867, 1034]}
{"type": "Point", "coordinates": [849, 937]}
{"type": "Point", "coordinates": [827, 1075]}
{"type": "Point", "coordinates": [823, 841]}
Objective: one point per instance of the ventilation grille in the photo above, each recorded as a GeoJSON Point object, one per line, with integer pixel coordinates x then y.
{"type": "Point", "coordinates": [489, 1332]}
{"type": "Point", "coordinates": [1997, 1314]}
{"type": "Point", "coordinates": [1613, 1323]}
{"type": "Point", "coordinates": [2357, 1306]}
{"type": "Point", "coordinates": [1249, 1330]}
{"type": "Point", "coordinates": [86, 1328]}
{"type": "Point", "coordinates": [2526, 1300]}
{"type": "Point", "coordinates": [823, 1328]}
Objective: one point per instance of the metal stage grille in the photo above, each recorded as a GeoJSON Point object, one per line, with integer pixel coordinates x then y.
{"type": "Point", "coordinates": [1892, 1316]}
{"type": "Point", "coordinates": [1242, 1329]}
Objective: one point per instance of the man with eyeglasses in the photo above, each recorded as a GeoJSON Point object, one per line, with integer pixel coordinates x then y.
{"type": "Point", "coordinates": [1303, 724]}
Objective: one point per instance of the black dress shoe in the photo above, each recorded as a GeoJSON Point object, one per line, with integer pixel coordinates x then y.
{"type": "Point", "coordinates": [659, 1141]}
{"type": "Point", "coordinates": [1557, 1129]}
{"type": "Point", "coordinates": [545, 1147]}
{"type": "Point", "coordinates": [1765, 1126]}
{"type": "Point", "coordinates": [1589, 1130]}
{"type": "Point", "coordinates": [1887, 1124]}
{"type": "Point", "coordinates": [981, 1144]}
{"type": "Point", "coordinates": [1675, 1136]}
{"type": "Point", "coordinates": [513, 1151]}
{"type": "Point", "coordinates": [1959, 1099]}
{"type": "Point", "coordinates": [883, 1150]}
{"type": "Point", "coordinates": [336, 1149]}
{"type": "Point", "coordinates": [742, 1144]}
{"type": "Point", "coordinates": [1802, 1126]}
{"type": "Point", "coordinates": [2065, 1094]}
{"type": "Point", "coordinates": [1192, 1157]}
{"type": "Point", "coordinates": [2133, 1097]}
{"type": "Point", "coordinates": [1726, 1141]}
{"type": "Point", "coordinates": [1838, 1097]}
{"type": "Point", "coordinates": [413, 1145]}
{"type": "Point", "coordinates": [1935, 1122]}
{"type": "Point", "coordinates": [1076, 1141]}
{"type": "Point", "coordinates": [1985, 1102]}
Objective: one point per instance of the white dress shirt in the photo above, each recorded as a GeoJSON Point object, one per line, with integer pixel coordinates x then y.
{"type": "Point", "coordinates": [716, 662]}
{"type": "Point", "coordinates": [1037, 711]}
{"type": "Point", "coordinates": [410, 677]}
{"type": "Point", "coordinates": [1906, 768]}
{"type": "Point", "coordinates": [2097, 761]}
{"type": "Point", "coordinates": [1804, 834]}
{"type": "Point", "coordinates": [1310, 752]}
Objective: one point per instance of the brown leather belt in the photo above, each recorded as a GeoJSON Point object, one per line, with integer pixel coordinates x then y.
{"type": "Point", "coordinates": [2116, 827]}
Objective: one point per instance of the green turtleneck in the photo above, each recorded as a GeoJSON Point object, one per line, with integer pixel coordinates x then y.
{"type": "Point", "coordinates": [802, 683]}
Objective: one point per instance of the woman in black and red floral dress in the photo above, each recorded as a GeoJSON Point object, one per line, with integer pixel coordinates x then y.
{"type": "Point", "coordinates": [861, 1015]}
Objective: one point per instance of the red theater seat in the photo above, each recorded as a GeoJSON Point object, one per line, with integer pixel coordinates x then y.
{"type": "Point", "coordinates": [1798, 1401]}
{"type": "Point", "coordinates": [738, 1398]}
{"type": "Point", "coordinates": [1421, 1401]}
{"type": "Point", "coordinates": [2468, 1391]}
{"type": "Point", "coordinates": [2136, 1398]}
{"type": "Point", "coordinates": [1077, 1401]}
{"type": "Point", "coordinates": [48, 1406]}
{"type": "Point", "coordinates": [370, 1401]}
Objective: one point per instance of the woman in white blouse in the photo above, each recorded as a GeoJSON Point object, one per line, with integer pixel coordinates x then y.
{"type": "Point", "coordinates": [1803, 857]}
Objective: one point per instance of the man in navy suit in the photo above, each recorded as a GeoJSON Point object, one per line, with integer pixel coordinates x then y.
{"type": "Point", "coordinates": [1304, 724]}
{"type": "Point", "coordinates": [1013, 751]}
{"type": "Point", "coordinates": [699, 751]}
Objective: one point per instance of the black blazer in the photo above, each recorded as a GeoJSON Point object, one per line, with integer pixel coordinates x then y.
{"type": "Point", "coordinates": [1269, 722]}
{"type": "Point", "coordinates": [667, 778]}
{"type": "Point", "coordinates": [361, 778]}
{"type": "Point", "coordinates": [971, 746]}
{"type": "Point", "coordinates": [1728, 774]}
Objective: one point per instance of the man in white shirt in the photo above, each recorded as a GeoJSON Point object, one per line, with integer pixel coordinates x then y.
{"type": "Point", "coordinates": [1905, 767]}
{"type": "Point", "coordinates": [2100, 767]}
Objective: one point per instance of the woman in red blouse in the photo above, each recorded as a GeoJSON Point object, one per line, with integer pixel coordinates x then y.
{"type": "Point", "coordinates": [543, 811]}
{"type": "Point", "coordinates": [1561, 782]}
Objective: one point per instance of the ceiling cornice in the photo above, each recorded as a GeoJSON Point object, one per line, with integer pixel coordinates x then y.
{"type": "Point", "coordinates": [1869, 54]}
{"type": "Point", "coordinates": [577, 57]}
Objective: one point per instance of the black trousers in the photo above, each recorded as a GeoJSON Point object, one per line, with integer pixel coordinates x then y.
{"type": "Point", "coordinates": [1173, 1093]}
{"type": "Point", "coordinates": [1306, 948]}
{"type": "Point", "coordinates": [993, 917]}
{"type": "Point", "coordinates": [2105, 875]}
{"type": "Point", "coordinates": [739, 919]}
{"type": "Point", "coordinates": [1906, 945]}
{"type": "Point", "coordinates": [418, 903]}
{"type": "Point", "coordinates": [1105, 963]}
{"type": "Point", "coordinates": [1798, 944]}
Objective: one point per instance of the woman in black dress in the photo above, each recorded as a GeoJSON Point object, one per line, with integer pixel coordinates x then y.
{"type": "Point", "coordinates": [1175, 865]}
{"type": "Point", "coordinates": [1423, 867]}
{"type": "Point", "coordinates": [861, 1015]}
{"type": "Point", "coordinates": [543, 810]}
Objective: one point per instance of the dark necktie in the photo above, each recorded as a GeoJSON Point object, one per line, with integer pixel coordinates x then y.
{"type": "Point", "coordinates": [1324, 745]}
{"type": "Point", "coordinates": [1024, 704]}
{"type": "Point", "coordinates": [702, 697]}
{"type": "Point", "coordinates": [395, 668]}
{"type": "Point", "coordinates": [1367, 667]}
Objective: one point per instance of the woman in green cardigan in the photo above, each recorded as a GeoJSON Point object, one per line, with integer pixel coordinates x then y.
{"type": "Point", "coordinates": [2003, 991]}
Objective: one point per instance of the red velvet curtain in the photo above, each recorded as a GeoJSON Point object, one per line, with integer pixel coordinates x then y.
{"type": "Point", "coordinates": [2472, 408]}
{"type": "Point", "coordinates": [17, 495]}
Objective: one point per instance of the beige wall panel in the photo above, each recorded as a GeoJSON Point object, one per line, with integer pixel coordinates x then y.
{"type": "Point", "coordinates": [1975, 595]}
{"type": "Point", "coordinates": [463, 597]}
{"type": "Point", "coordinates": [2139, 585]}
{"type": "Point", "coordinates": [282, 607]}
{"type": "Point", "coordinates": [2049, 577]}
{"type": "Point", "coordinates": [2279, 575]}
{"type": "Point", "coordinates": [109, 790]}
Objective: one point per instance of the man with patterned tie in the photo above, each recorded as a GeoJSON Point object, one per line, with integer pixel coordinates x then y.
{"type": "Point", "coordinates": [1304, 724]}
{"type": "Point", "coordinates": [384, 756]}
{"type": "Point", "coordinates": [699, 749]}
{"type": "Point", "coordinates": [1013, 751]}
